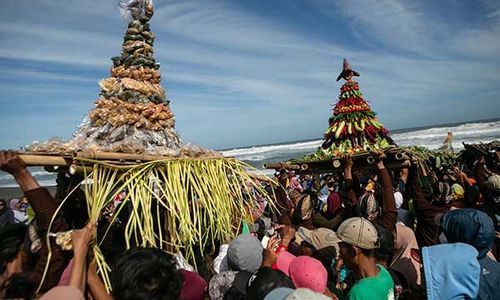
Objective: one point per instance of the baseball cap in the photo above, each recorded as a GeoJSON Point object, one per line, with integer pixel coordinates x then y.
{"type": "Point", "coordinates": [308, 272]}
{"type": "Point", "coordinates": [319, 238]}
{"type": "Point", "coordinates": [305, 294]}
{"type": "Point", "coordinates": [493, 183]}
{"type": "Point", "coordinates": [305, 271]}
{"type": "Point", "coordinates": [245, 253]}
{"type": "Point", "coordinates": [283, 261]}
{"type": "Point", "coordinates": [266, 280]}
{"type": "Point", "coordinates": [358, 232]}
{"type": "Point", "coordinates": [298, 294]}
{"type": "Point", "coordinates": [279, 294]}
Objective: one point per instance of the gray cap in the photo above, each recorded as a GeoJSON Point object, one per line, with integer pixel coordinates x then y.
{"type": "Point", "coordinates": [359, 232]}
{"type": "Point", "coordinates": [245, 253]}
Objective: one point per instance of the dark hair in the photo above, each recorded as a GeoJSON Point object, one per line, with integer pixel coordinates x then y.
{"type": "Point", "coordinates": [368, 252]}
{"type": "Point", "coordinates": [327, 257]}
{"type": "Point", "coordinates": [18, 286]}
{"type": "Point", "coordinates": [146, 273]}
{"type": "Point", "coordinates": [12, 237]}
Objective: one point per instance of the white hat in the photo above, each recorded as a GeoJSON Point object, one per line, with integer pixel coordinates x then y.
{"type": "Point", "coordinates": [398, 197]}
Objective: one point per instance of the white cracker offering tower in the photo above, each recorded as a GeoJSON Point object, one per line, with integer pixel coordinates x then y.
{"type": "Point", "coordinates": [179, 197]}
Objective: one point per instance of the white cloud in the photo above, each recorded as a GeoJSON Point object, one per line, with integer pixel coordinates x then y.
{"type": "Point", "coordinates": [398, 24]}
{"type": "Point", "coordinates": [481, 41]}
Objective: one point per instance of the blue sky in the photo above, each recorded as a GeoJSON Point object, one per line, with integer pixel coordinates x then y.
{"type": "Point", "coordinates": [254, 72]}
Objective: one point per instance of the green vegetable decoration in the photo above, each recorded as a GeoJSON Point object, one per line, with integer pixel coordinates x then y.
{"type": "Point", "coordinates": [353, 127]}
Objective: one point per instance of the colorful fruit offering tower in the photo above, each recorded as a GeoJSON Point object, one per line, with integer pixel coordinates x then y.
{"type": "Point", "coordinates": [353, 127]}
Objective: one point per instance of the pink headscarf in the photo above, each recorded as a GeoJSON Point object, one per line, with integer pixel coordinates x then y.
{"type": "Point", "coordinates": [402, 260]}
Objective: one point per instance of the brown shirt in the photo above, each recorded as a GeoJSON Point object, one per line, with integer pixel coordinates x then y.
{"type": "Point", "coordinates": [389, 216]}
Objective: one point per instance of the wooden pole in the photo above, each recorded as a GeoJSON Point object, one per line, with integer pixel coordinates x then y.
{"type": "Point", "coordinates": [281, 165]}
{"type": "Point", "coordinates": [119, 156]}
{"type": "Point", "coordinates": [76, 169]}
{"type": "Point", "coordinates": [45, 160]}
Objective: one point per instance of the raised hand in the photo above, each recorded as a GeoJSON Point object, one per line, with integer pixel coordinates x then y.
{"type": "Point", "coordinates": [11, 163]}
{"type": "Point", "coordinates": [270, 256]}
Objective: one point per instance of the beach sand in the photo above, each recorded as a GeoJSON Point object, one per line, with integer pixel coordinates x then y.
{"type": "Point", "coordinates": [15, 192]}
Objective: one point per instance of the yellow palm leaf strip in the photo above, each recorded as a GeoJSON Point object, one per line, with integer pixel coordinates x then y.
{"type": "Point", "coordinates": [102, 268]}
{"type": "Point", "coordinates": [239, 190]}
{"type": "Point", "coordinates": [209, 199]}
{"type": "Point", "coordinates": [222, 203]}
{"type": "Point", "coordinates": [105, 270]}
{"type": "Point", "coordinates": [236, 194]}
{"type": "Point", "coordinates": [164, 172]}
{"type": "Point", "coordinates": [197, 204]}
{"type": "Point", "coordinates": [162, 199]}
{"type": "Point", "coordinates": [147, 219]}
{"type": "Point", "coordinates": [183, 167]}
{"type": "Point", "coordinates": [207, 196]}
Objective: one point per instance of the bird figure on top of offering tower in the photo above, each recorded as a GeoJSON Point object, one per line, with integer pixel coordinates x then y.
{"type": "Point", "coordinates": [347, 71]}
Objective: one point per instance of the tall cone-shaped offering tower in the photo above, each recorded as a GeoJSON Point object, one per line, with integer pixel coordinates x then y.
{"type": "Point", "coordinates": [132, 113]}
{"type": "Point", "coordinates": [353, 127]}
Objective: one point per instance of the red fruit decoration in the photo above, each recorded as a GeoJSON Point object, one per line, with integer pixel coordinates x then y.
{"type": "Point", "coordinates": [353, 127]}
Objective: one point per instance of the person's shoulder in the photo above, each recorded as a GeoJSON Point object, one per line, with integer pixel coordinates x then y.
{"type": "Point", "coordinates": [489, 267]}
{"type": "Point", "coordinates": [384, 273]}
{"type": "Point", "coordinates": [362, 287]}
{"type": "Point", "coordinates": [358, 291]}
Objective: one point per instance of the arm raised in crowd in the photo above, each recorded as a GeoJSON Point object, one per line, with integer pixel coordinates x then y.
{"type": "Point", "coordinates": [44, 207]}
{"type": "Point", "coordinates": [352, 199]}
{"type": "Point", "coordinates": [427, 230]}
{"type": "Point", "coordinates": [389, 215]}
{"type": "Point", "coordinates": [284, 205]}
{"type": "Point", "coordinates": [80, 239]}
{"type": "Point", "coordinates": [423, 208]}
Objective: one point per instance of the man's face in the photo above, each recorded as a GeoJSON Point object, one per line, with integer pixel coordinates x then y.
{"type": "Point", "coordinates": [347, 254]}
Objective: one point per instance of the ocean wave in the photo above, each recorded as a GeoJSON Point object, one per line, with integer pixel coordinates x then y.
{"type": "Point", "coordinates": [252, 157]}
{"type": "Point", "coordinates": [48, 182]}
{"type": "Point", "coordinates": [4, 175]}
{"type": "Point", "coordinates": [465, 130]}
{"type": "Point", "coordinates": [272, 148]}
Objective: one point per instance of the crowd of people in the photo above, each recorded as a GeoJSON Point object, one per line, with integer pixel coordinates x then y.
{"type": "Point", "coordinates": [415, 232]}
